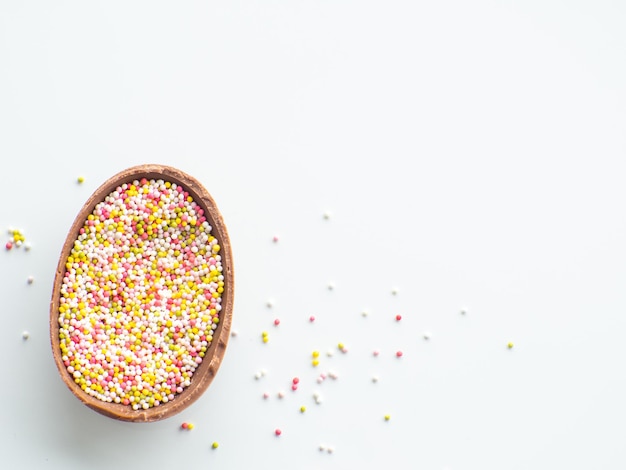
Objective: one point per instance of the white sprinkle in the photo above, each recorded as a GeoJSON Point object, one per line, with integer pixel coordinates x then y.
{"type": "Point", "coordinates": [329, 353]}
{"type": "Point", "coordinates": [257, 376]}
{"type": "Point", "coordinates": [375, 379]}
{"type": "Point", "coordinates": [234, 333]}
{"type": "Point", "coordinates": [270, 303]}
{"type": "Point", "coordinates": [327, 215]}
{"type": "Point", "coordinates": [25, 335]}
{"type": "Point", "coordinates": [322, 448]}
{"type": "Point", "coordinates": [330, 450]}
{"type": "Point", "coordinates": [263, 372]}
{"type": "Point", "coordinates": [27, 246]}
{"type": "Point", "coordinates": [281, 394]}
{"type": "Point", "coordinates": [30, 279]}
{"type": "Point", "coordinates": [427, 335]}
{"type": "Point", "coordinates": [331, 286]}
{"type": "Point", "coordinates": [333, 375]}
{"type": "Point", "coordinates": [365, 313]}
{"type": "Point", "coordinates": [394, 291]}
{"type": "Point", "coordinates": [463, 311]}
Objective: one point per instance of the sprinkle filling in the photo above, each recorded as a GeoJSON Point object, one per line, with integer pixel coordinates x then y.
{"type": "Point", "coordinates": [141, 295]}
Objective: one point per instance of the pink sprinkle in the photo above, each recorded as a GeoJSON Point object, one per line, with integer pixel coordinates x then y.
{"type": "Point", "coordinates": [296, 380]}
{"type": "Point", "coordinates": [266, 395]}
{"type": "Point", "coordinates": [294, 387]}
{"type": "Point", "coordinates": [311, 318]}
{"type": "Point", "coordinates": [277, 322]}
{"type": "Point", "coordinates": [275, 239]}
{"type": "Point", "coordinates": [376, 353]}
{"type": "Point", "coordinates": [278, 432]}
{"type": "Point", "coordinates": [9, 245]}
{"type": "Point", "coordinates": [398, 317]}
{"type": "Point", "coordinates": [399, 354]}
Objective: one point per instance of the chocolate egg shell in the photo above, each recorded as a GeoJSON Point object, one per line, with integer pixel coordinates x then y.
{"type": "Point", "coordinates": [207, 369]}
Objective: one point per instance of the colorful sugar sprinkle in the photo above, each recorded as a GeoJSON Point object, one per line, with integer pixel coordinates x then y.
{"type": "Point", "coordinates": [141, 295]}
{"type": "Point", "coordinates": [215, 445]}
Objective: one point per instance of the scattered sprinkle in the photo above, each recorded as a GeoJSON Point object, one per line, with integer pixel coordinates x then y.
{"type": "Point", "coordinates": [266, 395]}
{"type": "Point", "coordinates": [265, 337]}
{"type": "Point", "coordinates": [27, 246]}
{"type": "Point", "coordinates": [327, 215]}
{"type": "Point", "coordinates": [25, 335]}
{"type": "Point", "coordinates": [426, 335]}
{"type": "Point", "coordinates": [80, 179]}
{"type": "Point", "coordinates": [315, 354]}
{"type": "Point", "coordinates": [399, 354]}
{"type": "Point", "coordinates": [330, 450]}
{"type": "Point", "coordinates": [276, 322]}
{"type": "Point", "coordinates": [365, 313]}
{"type": "Point", "coordinates": [215, 445]}
{"type": "Point", "coordinates": [270, 303]}
{"type": "Point", "coordinates": [321, 448]}
{"type": "Point", "coordinates": [30, 279]}
{"type": "Point", "coordinates": [387, 417]}
{"type": "Point", "coordinates": [376, 352]}
{"type": "Point", "coordinates": [295, 380]}
{"type": "Point", "coordinates": [278, 432]}
{"type": "Point", "coordinates": [302, 409]}
{"type": "Point", "coordinates": [375, 378]}
{"type": "Point", "coordinates": [333, 375]}
{"type": "Point", "coordinates": [398, 317]}
{"type": "Point", "coordinates": [330, 353]}
{"type": "Point", "coordinates": [312, 318]}
{"type": "Point", "coordinates": [294, 387]}
{"type": "Point", "coordinates": [315, 362]}
{"type": "Point", "coordinates": [331, 286]}
{"type": "Point", "coordinates": [394, 291]}
{"type": "Point", "coordinates": [510, 345]}
{"type": "Point", "coordinates": [9, 246]}
{"type": "Point", "coordinates": [234, 333]}
{"type": "Point", "coordinates": [257, 376]}
{"type": "Point", "coordinates": [281, 394]}
{"type": "Point", "coordinates": [463, 311]}
{"type": "Point", "coordinates": [275, 238]}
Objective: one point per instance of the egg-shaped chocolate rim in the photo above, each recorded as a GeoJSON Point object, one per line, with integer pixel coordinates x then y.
{"type": "Point", "coordinates": [207, 369]}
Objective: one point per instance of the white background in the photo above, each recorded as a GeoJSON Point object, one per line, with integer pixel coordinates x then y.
{"type": "Point", "coordinates": [471, 155]}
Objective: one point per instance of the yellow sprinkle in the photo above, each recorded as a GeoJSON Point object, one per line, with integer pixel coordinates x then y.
{"type": "Point", "coordinates": [315, 354]}
{"type": "Point", "coordinates": [510, 345]}
{"type": "Point", "coordinates": [315, 363]}
{"type": "Point", "coordinates": [387, 417]}
{"type": "Point", "coordinates": [215, 445]}
{"type": "Point", "coordinates": [302, 409]}
{"type": "Point", "coordinates": [81, 179]}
